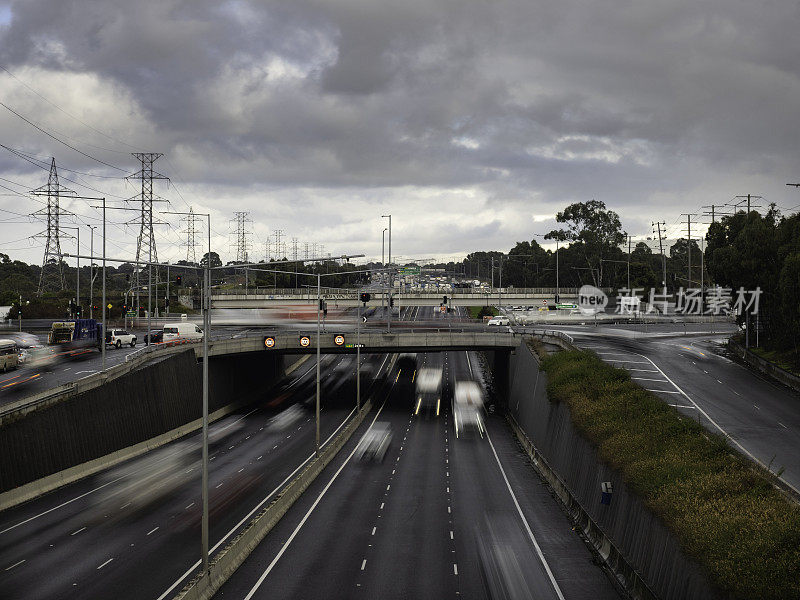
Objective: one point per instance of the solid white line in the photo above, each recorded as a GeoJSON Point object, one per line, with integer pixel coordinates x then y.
{"type": "Point", "coordinates": [15, 565]}
{"type": "Point", "coordinates": [635, 362]}
{"type": "Point", "coordinates": [251, 513]}
{"type": "Point", "coordinates": [308, 514]}
{"type": "Point", "coordinates": [717, 425]}
{"type": "Point", "coordinates": [662, 391]}
{"type": "Point", "coordinates": [59, 506]}
{"type": "Point", "coordinates": [525, 522]}
{"type": "Point", "coordinates": [78, 531]}
{"type": "Point", "coordinates": [682, 406]}
{"type": "Point", "coordinates": [104, 564]}
{"type": "Point", "coordinates": [644, 370]}
{"type": "Point", "coordinates": [646, 379]}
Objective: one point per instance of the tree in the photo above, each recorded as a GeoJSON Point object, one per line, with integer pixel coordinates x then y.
{"type": "Point", "coordinates": [215, 260]}
{"type": "Point", "coordinates": [596, 231]}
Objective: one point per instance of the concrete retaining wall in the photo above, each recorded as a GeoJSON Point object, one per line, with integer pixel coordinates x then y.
{"type": "Point", "coordinates": [138, 406]}
{"type": "Point", "coordinates": [643, 553]}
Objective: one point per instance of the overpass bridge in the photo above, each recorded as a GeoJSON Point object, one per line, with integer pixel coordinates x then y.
{"type": "Point", "coordinates": [266, 297]}
{"type": "Point", "coordinates": [369, 341]}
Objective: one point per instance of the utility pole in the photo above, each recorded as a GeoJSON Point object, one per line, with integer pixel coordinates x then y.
{"type": "Point", "coordinates": [146, 237]}
{"type": "Point", "coordinates": [689, 242]}
{"type": "Point", "coordinates": [658, 224]}
{"type": "Point", "coordinates": [747, 199]}
{"type": "Point", "coordinates": [389, 321]}
{"type": "Point", "coordinates": [51, 277]}
{"type": "Point", "coordinates": [629, 263]}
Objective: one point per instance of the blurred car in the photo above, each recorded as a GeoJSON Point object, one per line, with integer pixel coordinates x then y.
{"type": "Point", "coordinates": [158, 337]}
{"type": "Point", "coordinates": [286, 418]}
{"type": "Point", "coordinates": [505, 558]}
{"type": "Point", "coordinates": [375, 443]}
{"type": "Point", "coordinates": [468, 408]}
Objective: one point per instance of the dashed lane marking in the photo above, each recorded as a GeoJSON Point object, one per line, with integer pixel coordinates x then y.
{"type": "Point", "coordinates": [152, 530]}
{"type": "Point", "coordinates": [105, 563]}
{"type": "Point", "coordinates": [16, 564]}
{"type": "Point", "coordinates": [78, 531]}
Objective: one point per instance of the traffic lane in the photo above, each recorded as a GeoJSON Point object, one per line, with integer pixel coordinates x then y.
{"type": "Point", "coordinates": [480, 494]}
{"type": "Point", "coordinates": [483, 468]}
{"type": "Point", "coordinates": [410, 553]}
{"type": "Point", "coordinates": [315, 549]}
{"type": "Point", "coordinates": [761, 416]}
{"type": "Point", "coordinates": [176, 516]}
{"type": "Point", "coordinates": [42, 379]}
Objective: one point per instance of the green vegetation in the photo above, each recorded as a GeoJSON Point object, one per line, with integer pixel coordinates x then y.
{"type": "Point", "coordinates": [753, 250]}
{"type": "Point", "coordinates": [478, 312]}
{"type": "Point", "coordinates": [725, 512]}
{"type": "Point", "coordinates": [788, 360]}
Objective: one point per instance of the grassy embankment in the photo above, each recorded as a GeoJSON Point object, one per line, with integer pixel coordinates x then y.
{"type": "Point", "coordinates": [726, 513]}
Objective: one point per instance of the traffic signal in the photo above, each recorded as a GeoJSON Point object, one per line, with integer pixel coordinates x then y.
{"type": "Point", "coordinates": [444, 299]}
{"type": "Point", "coordinates": [178, 280]}
{"type": "Point", "coordinates": [557, 299]}
{"type": "Point", "coordinates": [365, 297]}
{"type": "Point", "coordinates": [391, 301]}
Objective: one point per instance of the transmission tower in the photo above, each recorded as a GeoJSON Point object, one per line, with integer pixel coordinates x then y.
{"type": "Point", "coordinates": [146, 242]}
{"type": "Point", "coordinates": [242, 243]}
{"type": "Point", "coordinates": [305, 250]}
{"type": "Point", "coordinates": [191, 232]}
{"type": "Point", "coordinates": [278, 234]}
{"type": "Point", "coordinates": [51, 278]}
{"type": "Point", "coordinates": [294, 249]}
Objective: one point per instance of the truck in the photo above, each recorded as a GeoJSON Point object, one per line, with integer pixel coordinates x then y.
{"type": "Point", "coordinates": [468, 408]}
{"type": "Point", "coordinates": [429, 389]}
{"type": "Point", "coordinates": [76, 336]}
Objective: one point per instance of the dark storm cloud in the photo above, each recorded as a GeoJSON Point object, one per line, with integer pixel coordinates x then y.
{"type": "Point", "coordinates": [649, 106]}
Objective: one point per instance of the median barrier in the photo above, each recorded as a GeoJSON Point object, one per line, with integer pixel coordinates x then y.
{"type": "Point", "coordinates": [224, 563]}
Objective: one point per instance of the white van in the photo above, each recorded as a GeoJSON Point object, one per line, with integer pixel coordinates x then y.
{"type": "Point", "coordinates": [9, 358]}
{"type": "Point", "coordinates": [182, 330]}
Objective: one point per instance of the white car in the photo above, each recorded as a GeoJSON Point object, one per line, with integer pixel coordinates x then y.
{"type": "Point", "coordinates": [117, 337]}
{"type": "Point", "coordinates": [499, 321]}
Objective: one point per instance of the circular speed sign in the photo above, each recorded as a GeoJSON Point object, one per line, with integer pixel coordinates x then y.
{"type": "Point", "coordinates": [269, 342]}
{"type": "Point", "coordinates": [338, 340]}
{"type": "Point", "coordinates": [305, 341]}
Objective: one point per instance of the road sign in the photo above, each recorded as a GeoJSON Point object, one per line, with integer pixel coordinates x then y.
{"type": "Point", "coordinates": [566, 306]}
{"type": "Point", "coordinates": [269, 342]}
{"type": "Point", "coordinates": [338, 340]}
{"type": "Point", "coordinates": [408, 271]}
{"type": "Point", "coordinates": [109, 305]}
{"type": "Point", "coordinates": [305, 341]}
{"type": "Point", "coordinates": [544, 302]}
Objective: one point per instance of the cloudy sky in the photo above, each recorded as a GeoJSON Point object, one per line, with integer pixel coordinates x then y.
{"type": "Point", "coordinates": [471, 122]}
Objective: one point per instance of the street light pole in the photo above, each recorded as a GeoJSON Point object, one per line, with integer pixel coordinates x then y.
{"type": "Point", "coordinates": [206, 335]}
{"type": "Point", "coordinates": [383, 266]}
{"type": "Point", "coordinates": [319, 300]}
{"type": "Point", "coordinates": [358, 355]}
{"type": "Point", "coordinates": [91, 273]}
{"type": "Point", "coordinates": [103, 341]}
{"type": "Point", "coordinates": [389, 320]}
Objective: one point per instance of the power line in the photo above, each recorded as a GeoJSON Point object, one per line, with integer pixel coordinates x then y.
{"type": "Point", "coordinates": [60, 141]}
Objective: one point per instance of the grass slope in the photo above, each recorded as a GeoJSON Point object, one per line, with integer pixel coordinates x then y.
{"type": "Point", "coordinates": [725, 512]}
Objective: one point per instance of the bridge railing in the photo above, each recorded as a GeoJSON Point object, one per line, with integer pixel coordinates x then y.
{"type": "Point", "coordinates": [409, 291]}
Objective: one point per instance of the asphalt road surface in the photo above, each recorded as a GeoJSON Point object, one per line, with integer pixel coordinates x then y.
{"type": "Point", "coordinates": [414, 525]}
{"type": "Point", "coordinates": [696, 375]}
{"type": "Point", "coordinates": [134, 530]}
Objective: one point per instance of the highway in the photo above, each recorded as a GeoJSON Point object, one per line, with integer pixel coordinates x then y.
{"type": "Point", "coordinates": [411, 526]}
{"type": "Point", "coordinates": [696, 374]}
{"type": "Point", "coordinates": [92, 543]}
